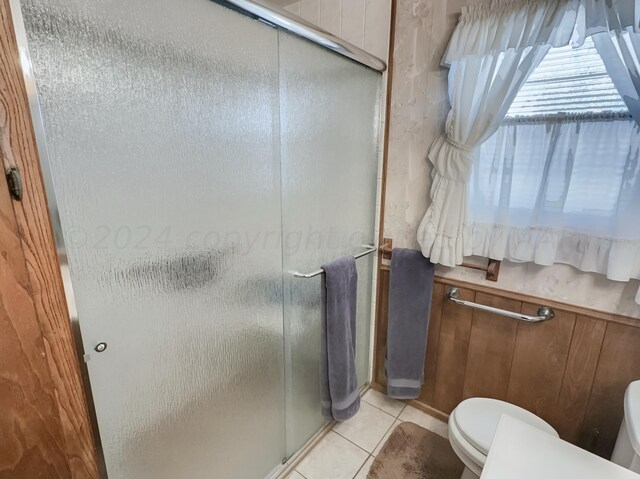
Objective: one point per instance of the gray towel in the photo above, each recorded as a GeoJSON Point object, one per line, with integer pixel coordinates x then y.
{"type": "Point", "coordinates": [339, 386]}
{"type": "Point", "coordinates": [411, 285]}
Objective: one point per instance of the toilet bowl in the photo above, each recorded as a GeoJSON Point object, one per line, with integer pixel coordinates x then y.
{"type": "Point", "coordinates": [472, 425]}
{"type": "Point", "coordinates": [627, 449]}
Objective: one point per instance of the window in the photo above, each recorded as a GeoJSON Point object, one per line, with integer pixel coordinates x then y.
{"type": "Point", "coordinates": [559, 180]}
{"type": "Point", "coordinates": [568, 80]}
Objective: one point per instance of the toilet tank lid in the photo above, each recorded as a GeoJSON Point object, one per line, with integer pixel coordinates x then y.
{"type": "Point", "coordinates": [632, 414]}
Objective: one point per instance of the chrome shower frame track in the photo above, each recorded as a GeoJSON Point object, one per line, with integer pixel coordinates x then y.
{"type": "Point", "coordinates": [288, 21]}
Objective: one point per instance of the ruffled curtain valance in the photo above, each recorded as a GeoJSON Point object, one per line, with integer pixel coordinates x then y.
{"type": "Point", "coordinates": [487, 29]}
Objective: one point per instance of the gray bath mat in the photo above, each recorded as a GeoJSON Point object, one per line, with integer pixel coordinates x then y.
{"type": "Point", "coordinates": [413, 452]}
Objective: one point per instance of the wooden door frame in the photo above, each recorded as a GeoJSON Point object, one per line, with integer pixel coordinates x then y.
{"type": "Point", "coordinates": [18, 148]}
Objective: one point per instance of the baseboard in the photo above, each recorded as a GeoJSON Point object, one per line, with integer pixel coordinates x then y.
{"type": "Point", "coordinates": [415, 403]}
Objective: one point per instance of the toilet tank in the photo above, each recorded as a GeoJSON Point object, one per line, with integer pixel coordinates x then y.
{"type": "Point", "coordinates": [627, 449]}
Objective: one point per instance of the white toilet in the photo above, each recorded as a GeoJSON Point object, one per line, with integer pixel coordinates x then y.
{"type": "Point", "coordinates": [626, 453]}
{"type": "Point", "coordinates": [473, 424]}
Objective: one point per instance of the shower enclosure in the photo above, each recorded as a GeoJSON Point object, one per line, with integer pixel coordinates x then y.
{"type": "Point", "coordinates": [195, 158]}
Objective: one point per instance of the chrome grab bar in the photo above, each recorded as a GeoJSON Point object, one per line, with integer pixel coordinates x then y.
{"type": "Point", "coordinates": [369, 249]}
{"type": "Point", "coordinates": [544, 312]}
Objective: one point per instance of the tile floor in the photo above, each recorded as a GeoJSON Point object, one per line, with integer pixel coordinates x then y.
{"type": "Point", "coordinates": [348, 450]}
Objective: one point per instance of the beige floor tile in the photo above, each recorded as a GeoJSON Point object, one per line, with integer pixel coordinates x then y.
{"type": "Point", "coordinates": [411, 414]}
{"type": "Point", "coordinates": [364, 470]}
{"type": "Point", "coordinates": [367, 427]}
{"type": "Point", "coordinates": [376, 451]}
{"type": "Point", "coordinates": [332, 458]}
{"type": "Point", "coordinates": [295, 475]}
{"type": "Point", "coordinates": [381, 401]}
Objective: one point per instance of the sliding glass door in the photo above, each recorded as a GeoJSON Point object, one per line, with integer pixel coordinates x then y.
{"type": "Point", "coordinates": [196, 157]}
{"type": "Point", "coordinates": [329, 149]}
{"type": "Point", "coordinates": [161, 121]}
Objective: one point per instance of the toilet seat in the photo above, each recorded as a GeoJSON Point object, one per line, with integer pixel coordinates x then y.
{"type": "Point", "coordinates": [473, 423]}
{"type": "Point", "coordinates": [469, 455]}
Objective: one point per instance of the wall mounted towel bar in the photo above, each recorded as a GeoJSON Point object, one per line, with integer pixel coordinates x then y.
{"type": "Point", "coordinates": [544, 312]}
{"type": "Point", "coordinates": [492, 269]}
{"type": "Point", "coordinates": [369, 249]}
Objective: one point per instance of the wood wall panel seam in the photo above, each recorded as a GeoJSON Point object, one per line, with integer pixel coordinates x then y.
{"type": "Point", "coordinates": [433, 339]}
{"type": "Point", "coordinates": [593, 379]}
{"type": "Point", "coordinates": [599, 356]}
{"type": "Point", "coordinates": [619, 364]}
{"type": "Point", "coordinates": [491, 348]}
{"type": "Point", "coordinates": [450, 375]}
{"type": "Point", "coordinates": [564, 373]}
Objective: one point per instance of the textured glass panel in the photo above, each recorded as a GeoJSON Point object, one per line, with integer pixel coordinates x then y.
{"type": "Point", "coordinates": [329, 135]}
{"type": "Point", "coordinates": [161, 120]}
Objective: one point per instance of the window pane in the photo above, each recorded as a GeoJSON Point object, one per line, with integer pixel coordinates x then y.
{"type": "Point", "coordinates": [568, 80]}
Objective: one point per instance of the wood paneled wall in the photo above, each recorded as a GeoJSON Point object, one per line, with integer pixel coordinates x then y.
{"type": "Point", "coordinates": [572, 370]}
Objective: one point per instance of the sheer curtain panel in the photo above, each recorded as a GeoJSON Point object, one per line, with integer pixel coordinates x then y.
{"type": "Point", "coordinates": [619, 51]}
{"type": "Point", "coordinates": [481, 89]}
{"type": "Point", "coordinates": [493, 50]}
{"type": "Point", "coordinates": [541, 193]}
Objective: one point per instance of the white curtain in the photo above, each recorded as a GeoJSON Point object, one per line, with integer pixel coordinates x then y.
{"type": "Point", "coordinates": [481, 89]}
{"type": "Point", "coordinates": [619, 51]}
{"type": "Point", "coordinates": [503, 25]}
{"type": "Point", "coordinates": [597, 16]}
{"type": "Point", "coordinates": [540, 192]}
{"type": "Point", "coordinates": [492, 51]}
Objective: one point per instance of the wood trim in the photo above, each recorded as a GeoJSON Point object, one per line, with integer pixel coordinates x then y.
{"type": "Point", "coordinates": [32, 443]}
{"type": "Point", "coordinates": [387, 121]}
{"type": "Point", "coordinates": [416, 404]}
{"type": "Point", "coordinates": [383, 192]}
{"type": "Point", "coordinates": [579, 310]}
{"type": "Point", "coordinates": [492, 268]}
{"type": "Point", "coordinates": [36, 235]}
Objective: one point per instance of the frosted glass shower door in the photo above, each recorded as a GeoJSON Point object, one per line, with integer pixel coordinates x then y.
{"type": "Point", "coordinates": [329, 109]}
{"type": "Point", "coordinates": [161, 122]}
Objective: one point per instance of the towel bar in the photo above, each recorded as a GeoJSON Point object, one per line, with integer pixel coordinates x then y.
{"type": "Point", "coordinates": [544, 312]}
{"type": "Point", "coordinates": [492, 269]}
{"type": "Point", "coordinates": [369, 249]}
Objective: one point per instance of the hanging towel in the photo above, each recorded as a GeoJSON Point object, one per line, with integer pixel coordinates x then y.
{"type": "Point", "coordinates": [339, 386]}
{"type": "Point", "coordinates": [411, 285]}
